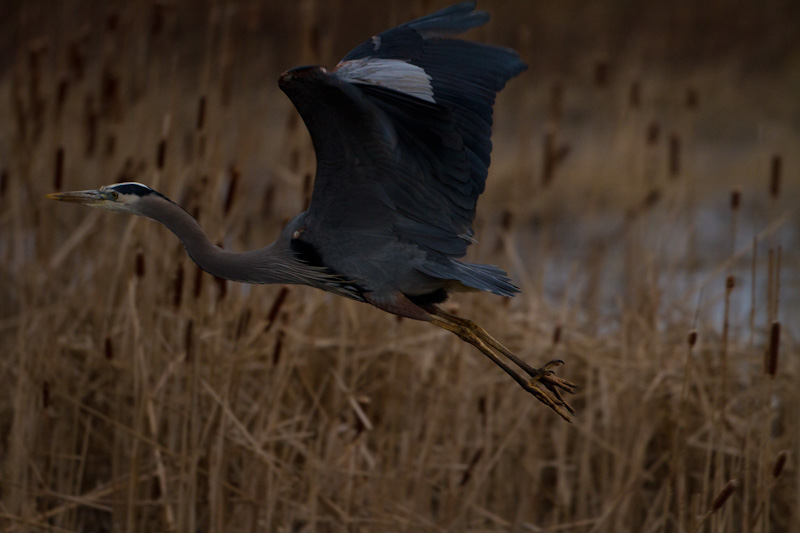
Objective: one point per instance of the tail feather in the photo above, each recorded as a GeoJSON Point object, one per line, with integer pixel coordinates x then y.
{"type": "Point", "coordinates": [478, 276]}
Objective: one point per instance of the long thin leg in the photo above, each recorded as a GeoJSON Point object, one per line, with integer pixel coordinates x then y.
{"type": "Point", "coordinates": [543, 383]}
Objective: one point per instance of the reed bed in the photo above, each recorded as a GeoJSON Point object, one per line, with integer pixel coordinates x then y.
{"type": "Point", "coordinates": [658, 258]}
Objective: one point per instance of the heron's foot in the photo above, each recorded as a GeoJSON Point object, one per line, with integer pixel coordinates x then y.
{"type": "Point", "coordinates": [543, 384]}
{"type": "Point", "coordinates": [546, 387]}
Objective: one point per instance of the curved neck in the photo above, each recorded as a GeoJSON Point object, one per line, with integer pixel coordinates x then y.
{"type": "Point", "coordinates": [265, 265]}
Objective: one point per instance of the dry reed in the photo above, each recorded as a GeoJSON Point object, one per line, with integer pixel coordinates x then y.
{"type": "Point", "coordinates": [141, 395]}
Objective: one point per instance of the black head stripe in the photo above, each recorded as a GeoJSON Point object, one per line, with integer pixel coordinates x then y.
{"type": "Point", "coordinates": [132, 188]}
{"type": "Point", "coordinates": [136, 188]}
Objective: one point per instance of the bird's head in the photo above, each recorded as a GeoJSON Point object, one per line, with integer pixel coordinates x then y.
{"type": "Point", "coordinates": [119, 197]}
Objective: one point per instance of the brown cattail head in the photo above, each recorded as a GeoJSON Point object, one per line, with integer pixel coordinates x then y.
{"type": "Point", "coordinates": [111, 145]}
{"type": "Point", "coordinates": [635, 95]}
{"type": "Point", "coordinates": [61, 94]}
{"type": "Point", "coordinates": [139, 264]}
{"type": "Point", "coordinates": [244, 321]}
{"type": "Point", "coordinates": [691, 339]}
{"type": "Point", "coordinates": [235, 173]}
{"type": "Point", "coordinates": [736, 198]}
{"type": "Point", "coordinates": [187, 340]}
{"type": "Point", "coordinates": [45, 394]}
{"type": "Point", "coordinates": [58, 177]}
{"type": "Point", "coordinates": [108, 349]}
{"type": "Point", "coordinates": [161, 154]}
{"type": "Point", "coordinates": [771, 360]}
{"type": "Point", "coordinates": [726, 492]}
{"type": "Point", "coordinates": [223, 288]}
{"type": "Point", "coordinates": [653, 133]}
{"type": "Point", "coordinates": [691, 98]}
{"type": "Point", "coordinates": [674, 155]}
{"type": "Point", "coordinates": [276, 351]}
{"type": "Point", "coordinates": [177, 287]}
{"type": "Point", "coordinates": [3, 181]}
{"type": "Point", "coordinates": [201, 113]}
{"type": "Point", "coordinates": [556, 101]}
{"type": "Point", "coordinates": [775, 177]}
{"type": "Point", "coordinates": [601, 74]}
{"type": "Point", "coordinates": [90, 121]}
{"type": "Point", "coordinates": [557, 334]}
{"type": "Point", "coordinates": [506, 219]}
{"type": "Point", "coordinates": [780, 464]}
{"type": "Point", "coordinates": [730, 282]}
{"type": "Point", "coordinates": [276, 307]}
{"type": "Point", "coordinates": [198, 282]}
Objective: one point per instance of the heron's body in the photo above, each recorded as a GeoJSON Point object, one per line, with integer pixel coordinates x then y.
{"type": "Point", "coordinates": [401, 129]}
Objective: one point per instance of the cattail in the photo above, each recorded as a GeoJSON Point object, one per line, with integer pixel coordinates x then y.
{"type": "Point", "coordinates": [775, 177]}
{"type": "Point", "coordinates": [556, 102]}
{"type": "Point", "coordinates": [674, 156]}
{"type": "Point", "coordinates": [635, 95]}
{"type": "Point", "coordinates": [3, 182]}
{"type": "Point", "coordinates": [108, 349]}
{"type": "Point", "coordinates": [726, 492]}
{"type": "Point", "coordinates": [112, 23]}
{"type": "Point", "coordinates": [111, 145]}
{"type": "Point", "coordinates": [601, 74]}
{"type": "Point", "coordinates": [652, 198]}
{"type": "Point", "coordinates": [90, 122]}
{"type": "Point", "coordinates": [269, 199]}
{"type": "Point", "coordinates": [730, 283]}
{"type": "Point", "coordinates": [470, 467]}
{"type": "Point", "coordinates": [276, 352]}
{"type": "Point", "coordinates": [780, 463]}
{"type": "Point", "coordinates": [75, 60]}
{"type": "Point", "coordinates": [234, 178]}
{"type": "Point", "coordinates": [244, 321]}
{"type": "Point", "coordinates": [549, 160]}
{"type": "Point", "coordinates": [139, 264]}
{"type": "Point", "coordinates": [61, 95]}
{"type": "Point", "coordinates": [223, 288]}
{"type": "Point", "coordinates": [736, 199]}
{"type": "Point", "coordinates": [109, 94]}
{"type": "Point", "coordinates": [187, 340]}
{"type": "Point", "coordinates": [691, 98]}
{"type": "Point", "coordinates": [691, 339]}
{"type": "Point", "coordinates": [45, 394]}
{"type": "Point", "coordinates": [157, 19]}
{"type": "Point", "coordinates": [198, 282]}
{"type": "Point", "coordinates": [653, 133]}
{"type": "Point", "coordinates": [506, 219]}
{"type": "Point", "coordinates": [276, 307]}
{"type": "Point", "coordinates": [177, 287]}
{"type": "Point", "coordinates": [58, 178]}
{"type": "Point", "coordinates": [161, 154]}
{"type": "Point", "coordinates": [201, 113]}
{"type": "Point", "coordinates": [557, 334]}
{"type": "Point", "coordinates": [771, 361]}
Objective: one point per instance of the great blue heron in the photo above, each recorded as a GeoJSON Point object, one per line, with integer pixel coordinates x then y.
{"type": "Point", "coordinates": [401, 129]}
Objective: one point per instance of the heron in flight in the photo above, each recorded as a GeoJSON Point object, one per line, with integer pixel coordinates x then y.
{"type": "Point", "coordinates": [401, 128]}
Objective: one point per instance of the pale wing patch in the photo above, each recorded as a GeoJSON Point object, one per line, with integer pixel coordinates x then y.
{"type": "Point", "coordinates": [392, 73]}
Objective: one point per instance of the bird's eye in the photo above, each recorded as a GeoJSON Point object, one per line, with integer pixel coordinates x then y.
{"type": "Point", "coordinates": [114, 195]}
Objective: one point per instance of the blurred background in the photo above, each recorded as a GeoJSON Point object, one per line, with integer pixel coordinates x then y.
{"type": "Point", "coordinates": [643, 192]}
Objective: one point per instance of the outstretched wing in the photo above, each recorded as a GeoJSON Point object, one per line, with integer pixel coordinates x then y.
{"type": "Point", "coordinates": [401, 129]}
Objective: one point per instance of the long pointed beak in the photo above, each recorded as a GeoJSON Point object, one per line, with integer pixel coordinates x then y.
{"type": "Point", "coordinates": [79, 197]}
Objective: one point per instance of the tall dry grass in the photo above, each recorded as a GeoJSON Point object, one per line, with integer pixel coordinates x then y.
{"type": "Point", "coordinates": [141, 394]}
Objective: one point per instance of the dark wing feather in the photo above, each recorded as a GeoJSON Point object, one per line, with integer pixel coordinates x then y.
{"type": "Point", "coordinates": [403, 166]}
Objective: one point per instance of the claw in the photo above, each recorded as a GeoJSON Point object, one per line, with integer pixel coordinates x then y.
{"type": "Point", "coordinates": [543, 384]}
